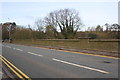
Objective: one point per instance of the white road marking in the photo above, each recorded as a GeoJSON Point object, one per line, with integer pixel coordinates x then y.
{"type": "Point", "coordinates": [14, 48]}
{"type": "Point", "coordinates": [8, 46]}
{"type": "Point", "coordinates": [34, 54]}
{"type": "Point", "coordinates": [19, 49]}
{"type": "Point", "coordinates": [98, 70]}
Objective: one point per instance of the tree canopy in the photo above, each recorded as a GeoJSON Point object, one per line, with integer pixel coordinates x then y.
{"type": "Point", "coordinates": [67, 20]}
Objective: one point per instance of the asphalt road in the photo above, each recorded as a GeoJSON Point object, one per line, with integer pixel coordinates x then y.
{"type": "Point", "coordinates": [48, 63]}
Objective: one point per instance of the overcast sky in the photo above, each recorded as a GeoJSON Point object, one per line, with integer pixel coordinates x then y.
{"type": "Point", "coordinates": [91, 13]}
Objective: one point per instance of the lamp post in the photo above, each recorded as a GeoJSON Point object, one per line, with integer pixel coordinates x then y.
{"type": "Point", "coordinates": [10, 26]}
{"type": "Point", "coordinates": [9, 29]}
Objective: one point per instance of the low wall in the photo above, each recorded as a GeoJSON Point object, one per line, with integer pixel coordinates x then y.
{"type": "Point", "coordinates": [109, 45]}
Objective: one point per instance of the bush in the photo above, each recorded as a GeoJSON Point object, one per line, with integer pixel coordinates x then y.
{"type": "Point", "coordinates": [92, 35]}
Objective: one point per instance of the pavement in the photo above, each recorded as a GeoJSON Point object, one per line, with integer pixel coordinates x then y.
{"type": "Point", "coordinates": [1, 61]}
{"type": "Point", "coordinates": [34, 62]}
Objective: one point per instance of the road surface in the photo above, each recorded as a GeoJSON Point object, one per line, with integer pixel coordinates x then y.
{"type": "Point", "coordinates": [36, 62]}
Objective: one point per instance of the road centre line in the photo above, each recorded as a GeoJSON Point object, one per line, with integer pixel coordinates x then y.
{"type": "Point", "coordinates": [34, 54]}
{"type": "Point", "coordinates": [19, 49]}
{"type": "Point", "coordinates": [81, 66]}
{"type": "Point", "coordinates": [9, 63]}
{"type": "Point", "coordinates": [14, 48]}
{"type": "Point", "coordinates": [9, 46]}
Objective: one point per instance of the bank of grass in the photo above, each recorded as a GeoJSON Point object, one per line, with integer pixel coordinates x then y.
{"type": "Point", "coordinates": [105, 45]}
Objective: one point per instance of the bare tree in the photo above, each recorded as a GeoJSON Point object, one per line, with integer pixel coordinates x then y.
{"type": "Point", "coordinates": [40, 24]}
{"type": "Point", "coordinates": [91, 29]}
{"type": "Point", "coordinates": [68, 21]}
{"type": "Point", "coordinates": [8, 29]}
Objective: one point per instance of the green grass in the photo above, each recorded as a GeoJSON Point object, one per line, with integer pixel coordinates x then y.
{"type": "Point", "coordinates": [109, 46]}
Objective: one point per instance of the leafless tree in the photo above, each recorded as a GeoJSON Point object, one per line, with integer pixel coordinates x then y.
{"type": "Point", "coordinates": [67, 20]}
{"type": "Point", "coordinates": [8, 29]}
{"type": "Point", "coordinates": [40, 24]}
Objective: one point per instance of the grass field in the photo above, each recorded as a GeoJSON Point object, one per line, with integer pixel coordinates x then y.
{"type": "Point", "coordinates": [104, 45]}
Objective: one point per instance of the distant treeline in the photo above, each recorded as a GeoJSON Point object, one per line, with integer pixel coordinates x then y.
{"type": "Point", "coordinates": [19, 32]}
{"type": "Point", "coordinates": [59, 24]}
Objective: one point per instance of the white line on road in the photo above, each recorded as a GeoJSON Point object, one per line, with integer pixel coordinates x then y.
{"type": "Point", "coordinates": [19, 49]}
{"type": "Point", "coordinates": [98, 70]}
{"type": "Point", "coordinates": [14, 48]}
{"type": "Point", "coordinates": [8, 46]}
{"type": "Point", "coordinates": [34, 54]}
